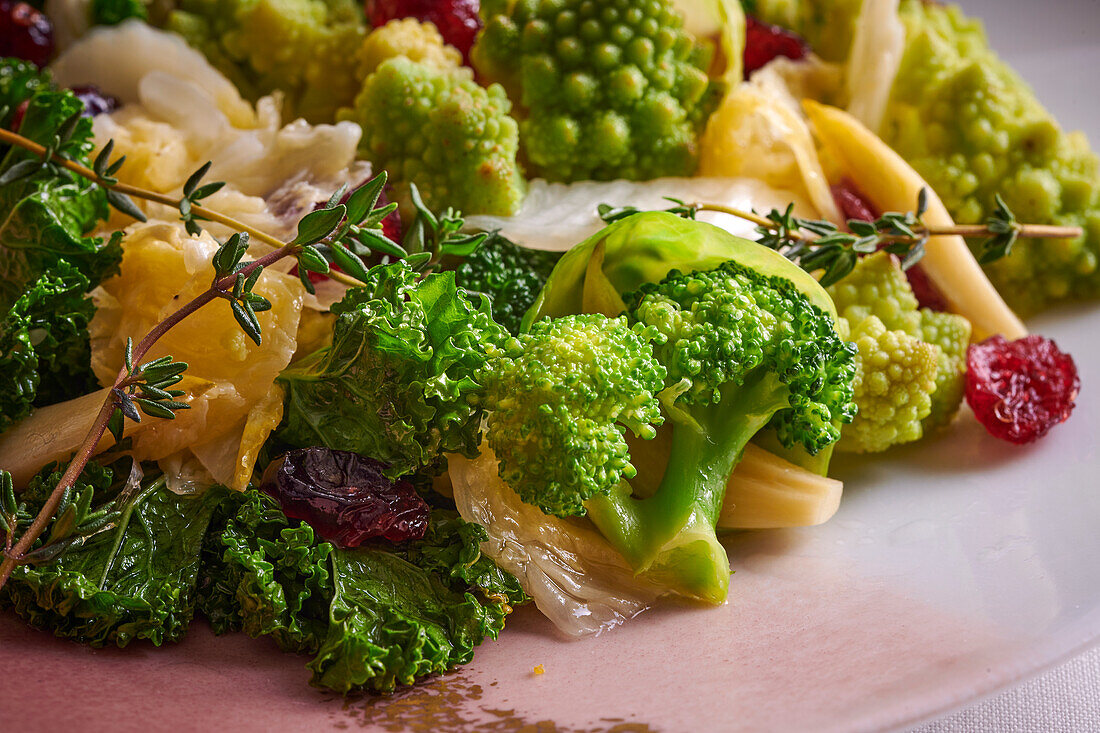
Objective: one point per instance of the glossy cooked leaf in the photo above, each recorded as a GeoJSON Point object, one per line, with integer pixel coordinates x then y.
{"type": "Point", "coordinates": [135, 580]}
{"type": "Point", "coordinates": [265, 574]}
{"type": "Point", "coordinates": [392, 623]}
{"type": "Point", "coordinates": [46, 216]}
{"type": "Point", "coordinates": [397, 382]}
{"type": "Point", "coordinates": [375, 617]}
{"type": "Point", "coordinates": [44, 352]}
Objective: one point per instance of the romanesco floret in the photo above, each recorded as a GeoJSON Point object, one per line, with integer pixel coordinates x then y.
{"type": "Point", "coordinates": [606, 89]}
{"type": "Point", "coordinates": [892, 411]}
{"type": "Point", "coordinates": [560, 402]}
{"type": "Point", "coordinates": [877, 287]}
{"type": "Point", "coordinates": [440, 130]}
{"type": "Point", "coordinates": [305, 48]}
{"type": "Point", "coordinates": [951, 333]}
{"type": "Point", "coordinates": [408, 37]}
{"type": "Point", "coordinates": [893, 387]}
{"type": "Point", "coordinates": [973, 128]}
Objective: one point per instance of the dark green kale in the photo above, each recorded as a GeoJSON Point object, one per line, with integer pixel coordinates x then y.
{"type": "Point", "coordinates": [45, 356]}
{"type": "Point", "coordinates": [509, 275]}
{"type": "Point", "coordinates": [113, 12]}
{"type": "Point", "coordinates": [47, 215]}
{"type": "Point", "coordinates": [397, 384]}
{"type": "Point", "coordinates": [374, 617]}
{"type": "Point", "coordinates": [119, 562]}
{"type": "Point", "coordinates": [265, 574]}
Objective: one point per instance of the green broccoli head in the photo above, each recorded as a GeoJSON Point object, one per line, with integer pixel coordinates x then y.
{"type": "Point", "coordinates": [438, 129]}
{"type": "Point", "coordinates": [560, 401]}
{"type": "Point", "coordinates": [951, 335]}
{"type": "Point", "coordinates": [398, 383]}
{"type": "Point", "coordinates": [607, 90]}
{"type": "Point", "coordinates": [731, 326]}
{"type": "Point", "coordinates": [743, 348]}
{"type": "Point", "coordinates": [893, 388]}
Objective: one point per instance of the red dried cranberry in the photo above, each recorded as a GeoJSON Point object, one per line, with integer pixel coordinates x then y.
{"type": "Point", "coordinates": [457, 20]}
{"type": "Point", "coordinates": [95, 101]}
{"type": "Point", "coordinates": [925, 291]}
{"type": "Point", "coordinates": [345, 497]}
{"type": "Point", "coordinates": [852, 203]}
{"type": "Point", "coordinates": [25, 33]}
{"type": "Point", "coordinates": [764, 42]}
{"type": "Point", "coordinates": [1020, 389]}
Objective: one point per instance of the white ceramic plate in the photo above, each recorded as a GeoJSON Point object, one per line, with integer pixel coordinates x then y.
{"type": "Point", "coordinates": [954, 568]}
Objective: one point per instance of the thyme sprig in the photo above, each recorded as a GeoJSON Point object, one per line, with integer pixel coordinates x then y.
{"type": "Point", "coordinates": [817, 245]}
{"type": "Point", "coordinates": [339, 233]}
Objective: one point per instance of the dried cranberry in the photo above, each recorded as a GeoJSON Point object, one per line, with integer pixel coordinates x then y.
{"type": "Point", "coordinates": [25, 33]}
{"type": "Point", "coordinates": [1020, 389]}
{"type": "Point", "coordinates": [764, 42]}
{"type": "Point", "coordinates": [457, 20]}
{"type": "Point", "coordinates": [95, 101]}
{"type": "Point", "coordinates": [852, 203]}
{"type": "Point", "coordinates": [925, 291]}
{"type": "Point", "coordinates": [345, 497]}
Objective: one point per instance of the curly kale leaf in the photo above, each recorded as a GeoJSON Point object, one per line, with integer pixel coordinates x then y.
{"type": "Point", "coordinates": [45, 356]}
{"type": "Point", "coordinates": [132, 578]}
{"type": "Point", "coordinates": [113, 12]}
{"type": "Point", "coordinates": [397, 383]}
{"type": "Point", "coordinates": [265, 575]}
{"type": "Point", "coordinates": [375, 617]}
{"type": "Point", "coordinates": [392, 623]}
{"type": "Point", "coordinates": [509, 275]}
{"type": "Point", "coordinates": [45, 215]}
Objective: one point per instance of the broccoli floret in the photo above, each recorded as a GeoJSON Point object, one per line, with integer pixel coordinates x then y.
{"type": "Point", "coordinates": [973, 128]}
{"type": "Point", "coordinates": [606, 90]}
{"type": "Point", "coordinates": [440, 130]}
{"type": "Point", "coordinates": [893, 388]}
{"type": "Point", "coordinates": [509, 275]}
{"type": "Point", "coordinates": [305, 48]}
{"type": "Point", "coordinates": [951, 334]}
{"type": "Point", "coordinates": [560, 401]}
{"type": "Point", "coordinates": [398, 382]}
{"type": "Point", "coordinates": [742, 348]}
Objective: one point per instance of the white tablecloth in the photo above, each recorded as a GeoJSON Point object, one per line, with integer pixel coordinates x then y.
{"type": "Point", "coordinates": [1064, 700]}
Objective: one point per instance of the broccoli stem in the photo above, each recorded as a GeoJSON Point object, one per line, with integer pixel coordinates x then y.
{"type": "Point", "coordinates": [671, 534]}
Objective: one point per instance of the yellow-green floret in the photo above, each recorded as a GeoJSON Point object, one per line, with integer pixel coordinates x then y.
{"type": "Point", "coordinates": [912, 362]}
{"type": "Point", "coordinates": [612, 89]}
{"type": "Point", "coordinates": [893, 388]}
{"type": "Point", "coordinates": [306, 48]}
{"type": "Point", "coordinates": [560, 401]}
{"type": "Point", "coordinates": [408, 37]}
{"type": "Point", "coordinates": [877, 287]}
{"type": "Point", "coordinates": [440, 130]}
{"type": "Point", "coordinates": [951, 333]}
{"type": "Point", "coordinates": [972, 127]}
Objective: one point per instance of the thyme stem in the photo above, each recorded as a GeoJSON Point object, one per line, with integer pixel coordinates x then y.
{"type": "Point", "coordinates": [1039, 231]}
